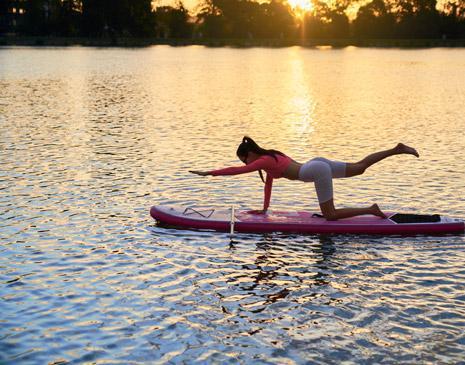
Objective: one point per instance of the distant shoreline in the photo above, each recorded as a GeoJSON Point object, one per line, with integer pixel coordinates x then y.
{"type": "Point", "coordinates": [39, 41]}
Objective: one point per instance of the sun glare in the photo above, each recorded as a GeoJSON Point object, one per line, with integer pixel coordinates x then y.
{"type": "Point", "coordinates": [301, 5]}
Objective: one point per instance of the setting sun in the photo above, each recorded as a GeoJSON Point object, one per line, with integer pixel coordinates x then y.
{"type": "Point", "coordinates": [302, 5]}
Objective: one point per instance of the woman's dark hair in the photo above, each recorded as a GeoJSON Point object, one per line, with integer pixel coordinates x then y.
{"type": "Point", "coordinates": [249, 145]}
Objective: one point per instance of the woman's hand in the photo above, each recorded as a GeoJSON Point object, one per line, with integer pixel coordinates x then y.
{"type": "Point", "coordinates": [201, 173]}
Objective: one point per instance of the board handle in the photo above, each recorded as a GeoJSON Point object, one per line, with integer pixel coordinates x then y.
{"type": "Point", "coordinates": [232, 221]}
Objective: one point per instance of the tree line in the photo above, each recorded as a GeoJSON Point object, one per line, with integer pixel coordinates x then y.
{"type": "Point", "coordinates": [234, 19]}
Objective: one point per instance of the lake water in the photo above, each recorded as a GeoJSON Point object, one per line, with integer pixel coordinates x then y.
{"type": "Point", "coordinates": [91, 138]}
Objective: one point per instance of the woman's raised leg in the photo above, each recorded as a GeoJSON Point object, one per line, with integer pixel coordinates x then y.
{"type": "Point", "coordinates": [358, 168]}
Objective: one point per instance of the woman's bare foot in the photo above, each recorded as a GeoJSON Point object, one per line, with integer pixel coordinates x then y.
{"type": "Point", "coordinates": [374, 209]}
{"type": "Point", "coordinates": [402, 148]}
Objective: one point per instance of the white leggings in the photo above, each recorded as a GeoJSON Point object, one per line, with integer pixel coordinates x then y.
{"type": "Point", "coordinates": [322, 171]}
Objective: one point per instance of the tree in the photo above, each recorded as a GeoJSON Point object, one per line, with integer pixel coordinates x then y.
{"type": "Point", "coordinates": [172, 22]}
{"type": "Point", "coordinates": [453, 19]}
{"type": "Point", "coordinates": [67, 18]}
{"type": "Point", "coordinates": [211, 21]}
{"type": "Point", "coordinates": [117, 17]}
{"type": "Point", "coordinates": [374, 20]}
{"type": "Point", "coordinates": [275, 20]}
{"type": "Point", "coordinates": [245, 19]}
{"type": "Point", "coordinates": [416, 18]}
{"type": "Point", "coordinates": [327, 21]}
{"type": "Point", "coordinates": [37, 18]}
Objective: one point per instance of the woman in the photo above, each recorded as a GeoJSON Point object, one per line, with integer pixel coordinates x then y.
{"type": "Point", "coordinates": [319, 170]}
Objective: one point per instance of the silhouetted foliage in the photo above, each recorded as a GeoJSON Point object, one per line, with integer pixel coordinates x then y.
{"type": "Point", "coordinates": [326, 22]}
{"type": "Point", "coordinates": [374, 20]}
{"type": "Point", "coordinates": [172, 22]}
{"type": "Point", "coordinates": [450, 26]}
{"type": "Point", "coordinates": [276, 20]}
{"type": "Point", "coordinates": [417, 19]}
{"type": "Point", "coordinates": [37, 18]}
{"type": "Point", "coordinates": [242, 19]}
{"type": "Point", "coordinates": [68, 17]}
{"type": "Point", "coordinates": [117, 17]}
{"type": "Point", "coordinates": [245, 19]}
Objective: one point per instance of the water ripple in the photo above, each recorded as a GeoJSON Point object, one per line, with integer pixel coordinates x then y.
{"type": "Point", "coordinates": [92, 137]}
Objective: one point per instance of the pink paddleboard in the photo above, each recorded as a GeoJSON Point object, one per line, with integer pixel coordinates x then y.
{"type": "Point", "coordinates": [302, 222]}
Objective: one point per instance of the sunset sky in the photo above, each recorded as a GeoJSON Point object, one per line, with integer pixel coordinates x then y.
{"type": "Point", "coordinates": [191, 4]}
{"type": "Point", "coordinates": [303, 4]}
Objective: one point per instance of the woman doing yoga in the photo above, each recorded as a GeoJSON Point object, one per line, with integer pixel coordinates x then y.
{"type": "Point", "coordinates": [319, 170]}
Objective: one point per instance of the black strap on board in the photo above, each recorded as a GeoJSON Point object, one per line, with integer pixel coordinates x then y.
{"type": "Point", "coordinates": [189, 211]}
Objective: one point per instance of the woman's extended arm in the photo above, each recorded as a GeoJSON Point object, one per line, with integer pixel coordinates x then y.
{"type": "Point", "coordinates": [261, 163]}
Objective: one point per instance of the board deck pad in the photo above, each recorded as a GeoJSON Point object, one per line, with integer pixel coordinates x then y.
{"type": "Point", "coordinates": [415, 218]}
{"type": "Point", "coordinates": [302, 222]}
